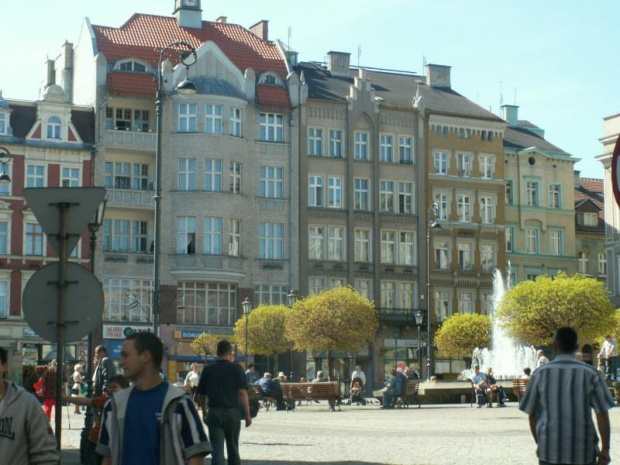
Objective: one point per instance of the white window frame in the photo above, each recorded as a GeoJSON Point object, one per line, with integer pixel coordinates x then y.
{"type": "Point", "coordinates": [602, 264]}
{"type": "Point", "coordinates": [4, 123]}
{"type": "Point", "coordinates": [487, 166]}
{"type": "Point", "coordinates": [125, 235]}
{"type": "Point", "coordinates": [531, 240]}
{"type": "Point", "coordinates": [186, 235]}
{"type": "Point", "coordinates": [406, 248]}
{"type": "Point", "coordinates": [405, 150]}
{"type": "Point", "coordinates": [316, 190]}
{"type": "Point", "coordinates": [555, 195]}
{"type": "Point", "coordinates": [188, 117]}
{"type": "Point", "coordinates": [443, 206]}
{"type": "Point", "coordinates": [38, 178]}
{"type": "Point", "coordinates": [387, 196]}
{"type": "Point", "coordinates": [271, 241]}
{"type": "Point", "coordinates": [510, 238]}
{"type": "Point", "coordinates": [583, 261]}
{"type": "Point", "coordinates": [34, 239]}
{"type": "Point", "coordinates": [5, 235]}
{"type": "Point", "coordinates": [271, 127]}
{"type": "Point", "coordinates": [213, 119]}
{"type": "Point", "coordinates": [388, 294]}
{"type": "Point", "coordinates": [235, 177]}
{"type": "Point", "coordinates": [386, 148]}
{"type": "Point", "coordinates": [487, 210]}
{"type": "Point", "coordinates": [212, 236]}
{"type": "Point", "coordinates": [271, 182]}
{"type": "Point", "coordinates": [236, 122]}
{"type": "Point", "coordinates": [532, 193]}
{"type": "Point", "coordinates": [316, 242]}
{"type": "Point", "coordinates": [488, 256]}
{"type": "Point", "coordinates": [234, 237]}
{"type": "Point", "coordinates": [334, 189]}
{"type": "Point", "coordinates": [440, 162]}
{"type": "Point", "coordinates": [336, 143]}
{"type": "Point", "coordinates": [464, 208]}
{"type": "Point", "coordinates": [336, 243]}
{"type": "Point", "coordinates": [186, 174]}
{"type": "Point", "coordinates": [442, 254]}
{"type": "Point", "coordinates": [361, 145]}
{"type": "Point", "coordinates": [315, 141]}
{"type": "Point", "coordinates": [53, 128]}
{"type": "Point", "coordinates": [70, 176]}
{"type": "Point", "coordinates": [213, 175]}
{"type": "Point", "coordinates": [388, 246]}
{"type": "Point", "coordinates": [465, 302]}
{"type": "Point", "coordinates": [465, 255]}
{"type": "Point", "coordinates": [406, 204]}
{"type": "Point", "coordinates": [363, 245]}
{"type": "Point", "coordinates": [556, 242]}
{"type": "Point", "coordinates": [509, 192]}
{"type": "Point", "coordinates": [443, 304]}
{"type": "Point", "coordinates": [463, 164]}
{"type": "Point", "coordinates": [364, 287]}
{"type": "Point", "coordinates": [362, 199]}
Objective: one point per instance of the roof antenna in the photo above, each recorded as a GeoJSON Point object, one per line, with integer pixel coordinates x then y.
{"type": "Point", "coordinates": [359, 54]}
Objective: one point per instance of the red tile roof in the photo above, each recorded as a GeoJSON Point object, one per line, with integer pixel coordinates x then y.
{"type": "Point", "coordinates": [143, 36]}
{"type": "Point", "coordinates": [131, 85]}
{"type": "Point", "coordinates": [272, 97]}
{"type": "Point", "coordinates": [591, 189]}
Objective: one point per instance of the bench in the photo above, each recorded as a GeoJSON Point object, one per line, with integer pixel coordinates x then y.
{"type": "Point", "coordinates": [519, 386]}
{"type": "Point", "coordinates": [329, 391]}
{"type": "Point", "coordinates": [411, 393]}
{"type": "Point", "coordinates": [255, 393]}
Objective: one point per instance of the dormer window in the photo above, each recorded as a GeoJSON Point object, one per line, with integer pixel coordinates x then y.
{"type": "Point", "coordinates": [4, 124]}
{"type": "Point", "coordinates": [53, 127]}
{"type": "Point", "coordinates": [132, 65]}
{"type": "Point", "coordinates": [270, 79]}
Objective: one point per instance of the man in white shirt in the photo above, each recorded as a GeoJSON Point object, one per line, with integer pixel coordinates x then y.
{"type": "Point", "coordinates": [542, 360]}
{"type": "Point", "coordinates": [609, 354]}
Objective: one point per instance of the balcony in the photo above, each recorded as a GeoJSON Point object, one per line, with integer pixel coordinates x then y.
{"type": "Point", "coordinates": [399, 315]}
{"type": "Point", "coordinates": [133, 140]}
{"type": "Point", "coordinates": [128, 198]}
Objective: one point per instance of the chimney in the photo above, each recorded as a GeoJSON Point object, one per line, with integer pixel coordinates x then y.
{"type": "Point", "coordinates": [261, 29]}
{"type": "Point", "coordinates": [189, 16]}
{"type": "Point", "coordinates": [577, 178]}
{"type": "Point", "coordinates": [338, 63]}
{"type": "Point", "coordinates": [511, 114]}
{"type": "Point", "coordinates": [438, 76]}
{"type": "Point", "coordinates": [50, 73]}
{"type": "Point", "coordinates": [222, 19]}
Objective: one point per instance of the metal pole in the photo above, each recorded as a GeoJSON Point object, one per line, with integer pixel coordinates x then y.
{"type": "Point", "coordinates": [246, 341]}
{"type": "Point", "coordinates": [157, 199]}
{"type": "Point", "coordinates": [419, 352]}
{"type": "Point", "coordinates": [60, 318]}
{"type": "Point", "coordinates": [429, 301]}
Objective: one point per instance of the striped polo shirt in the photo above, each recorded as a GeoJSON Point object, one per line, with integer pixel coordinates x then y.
{"type": "Point", "coordinates": [560, 395]}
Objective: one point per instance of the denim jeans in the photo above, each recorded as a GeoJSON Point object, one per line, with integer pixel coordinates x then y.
{"type": "Point", "coordinates": [224, 427]}
{"type": "Point", "coordinates": [542, 462]}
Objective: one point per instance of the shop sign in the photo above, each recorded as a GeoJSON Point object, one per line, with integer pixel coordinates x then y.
{"type": "Point", "coordinates": [122, 331]}
{"type": "Point", "coordinates": [185, 334]}
{"type": "Point", "coordinates": [30, 355]}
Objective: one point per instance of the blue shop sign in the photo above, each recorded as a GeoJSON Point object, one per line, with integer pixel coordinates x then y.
{"type": "Point", "coordinates": [190, 333]}
{"type": "Point", "coordinates": [114, 348]}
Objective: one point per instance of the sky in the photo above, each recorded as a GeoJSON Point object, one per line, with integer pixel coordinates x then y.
{"type": "Point", "coordinates": [556, 59]}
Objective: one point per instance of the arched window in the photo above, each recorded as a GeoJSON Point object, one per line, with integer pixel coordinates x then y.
{"type": "Point", "coordinates": [270, 79]}
{"type": "Point", "coordinates": [53, 128]}
{"type": "Point", "coordinates": [131, 65]}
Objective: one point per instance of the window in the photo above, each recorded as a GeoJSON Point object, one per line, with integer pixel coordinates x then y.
{"type": "Point", "coordinates": [487, 256]}
{"type": "Point", "coordinates": [213, 175]}
{"type": "Point", "coordinates": [4, 125]}
{"type": "Point", "coordinates": [235, 122]}
{"type": "Point", "coordinates": [270, 294]}
{"type": "Point", "coordinates": [443, 305]}
{"type": "Point", "coordinates": [588, 219]}
{"type": "Point", "coordinates": [442, 254]}
{"type": "Point", "coordinates": [121, 175]}
{"type": "Point", "coordinates": [4, 301]}
{"type": "Point", "coordinates": [315, 195]}
{"type": "Point", "coordinates": [531, 241]}
{"type": "Point", "coordinates": [187, 174]}
{"type": "Point", "coordinates": [510, 238]}
{"type": "Point", "coordinates": [464, 208]}
{"type": "Point", "coordinates": [131, 65]}
{"type": "Point", "coordinates": [388, 294]}
{"type": "Point", "coordinates": [405, 295]}
{"type": "Point", "coordinates": [531, 192]}
{"type": "Point", "coordinates": [187, 117]}
{"type": "Point", "coordinates": [335, 143]}
{"type": "Point", "coordinates": [487, 210]}
{"type": "Point", "coordinates": [335, 243]}
{"type": "Point", "coordinates": [35, 176]}
{"type": "Point", "coordinates": [509, 192]}
{"type": "Point", "coordinates": [583, 262]}
{"type": "Point", "coordinates": [127, 300]}
{"type": "Point", "coordinates": [34, 239]}
{"type": "Point", "coordinates": [5, 168]}
{"type": "Point", "coordinates": [386, 148]}
{"type": "Point", "coordinates": [364, 287]}
{"type": "Point", "coordinates": [271, 127]}
{"type": "Point", "coordinates": [334, 185]}
{"type": "Point", "coordinates": [271, 182]}
{"type": "Point", "coordinates": [316, 242]}
{"type": "Point", "coordinates": [464, 164]}
{"type": "Point", "coordinates": [405, 197]}
{"type": "Point", "coordinates": [464, 133]}
{"type": "Point", "coordinates": [406, 248]}
{"type": "Point", "coordinates": [441, 162]}
{"type": "Point", "coordinates": [486, 166]}
{"type": "Point", "coordinates": [121, 235]}
{"type": "Point", "coordinates": [315, 142]}
{"type": "Point", "coordinates": [556, 242]}
{"type": "Point", "coordinates": [464, 256]}
{"type": "Point", "coordinates": [4, 237]}
{"type": "Point", "coordinates": [271, 241]}
{"type": "Point", "coordinates": [362, 245]}
{"type": "Point", "coordinates": [127, 119]}
{"type": "Point", "coordinates": [186, 235]}
{"type": "Point", "coordinates": [441, 199]}
{"type": "Point", "coordinates": [602, 264]}
{"type": "Point", "coordinates": [70, 177]}
{"type": "Point", "coordinates": [213, 236]}
{"type": "Point", "coordinates": [361, 146]}
{"type": "Point", "coordinates": [386, 196]}
{"type": "Point", "coordinates": [555, 196]}
{"type": "Point", "coordinates": [53, 127]}
{"type": "Point", "coordinates": [362, 194]}
{"type": "Point", "coordinates": [404, 150]}
{"type": "Point", "coordinates": [235, 177]}
{"type": "Point", "coordinates": [213, 118]}
{"type": "Point", "coordinates": [388, 246]}
{"type": "Point", "coordinates": [316, 285]}
{"type": "Point", "coordinates": [214, 304]}
{"type": "Point", "coordinates": [234, 238]}
{"type": "Point", "coordinates": [487, 304]}
{"type": "Point", "coordinates": [466, 302]}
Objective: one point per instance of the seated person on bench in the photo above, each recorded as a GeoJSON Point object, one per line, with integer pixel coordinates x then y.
{"type": "Point", "coordinates": [395, 389]}
{"type": "Point", "coordinates": [478, 381]}
{"type": "Point", "coordinates": [271, 389]}
{"type": "Point", "coordinates": [494, 389]}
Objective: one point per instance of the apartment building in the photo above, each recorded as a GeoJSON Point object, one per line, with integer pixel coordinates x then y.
{"type": "Point", "coordinates": [540, 202]}
{"type": "Point", "coordinates": [590, 227]}
{"type": "Point", "coordinates": [229, 226]}
{"type": "Point", "coordinates": [50, 145]}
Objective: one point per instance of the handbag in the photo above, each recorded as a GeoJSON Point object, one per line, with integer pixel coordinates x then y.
{"type": "Point", "coordinates": [40, 387]}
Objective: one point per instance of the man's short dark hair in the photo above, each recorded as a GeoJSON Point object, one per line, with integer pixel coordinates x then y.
{"type": "Point", "coordinates": [251, 365]}
{"type": "Point", "coordinates": [566, 339]}
{"type": "Point", "coordinates": [101, 349]}
{"type": "Point", "coordinates": [145, 340]}
{"type": "Point", "coordinates": [120, 380]}
{"type": "Point", "coordinates": [224, 347]}
{"type": "Point", "coordinates": [3, 356]}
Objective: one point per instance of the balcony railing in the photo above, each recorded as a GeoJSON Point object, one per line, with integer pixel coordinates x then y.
{"type": "Point", "coordinates": [130, 139]}
{"type": "Point", "coordinates": [130, 198]}
{"type": "Point", "coordinates": [399, 315]}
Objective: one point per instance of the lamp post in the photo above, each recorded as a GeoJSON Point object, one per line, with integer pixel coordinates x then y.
{"type": "Point", "coordinates": [5, 158]}
{"type": "Point", "coordinates": [419, 319]}
{"type": "Point", "coordinates": [93, 228]}
{"type": "Point", "coordinates": [247, 308]}
{"type": "Point", "coordinates": [291, 298]}
{"type": "Point", "coordinates": [185, 51]}
{"type": "Point", "coordinates": [431, 224]}
{"type": "Point", "coordinates": [395, 335]}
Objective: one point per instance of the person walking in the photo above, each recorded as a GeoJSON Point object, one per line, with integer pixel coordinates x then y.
{"type": "Point", "coordinates": [558, 400]}
{"type": "Point", "coordinates": [78, 380]}
{"type": "Point", "coordinates": [222, 391]}
{"type": "Point", "coordinates": [153, 422]}
{"type": "Point", "coordinates": [47, 375]}
{"type": "Point", "coordinates": [192, 379]}
{"type": "Point", "coordinates": [609, 354]}
{"type": "Point", "coordinates": [103, 372]}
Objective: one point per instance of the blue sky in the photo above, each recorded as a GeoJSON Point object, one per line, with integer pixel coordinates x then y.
{"type": "Point", "coordinates": [560, 57]}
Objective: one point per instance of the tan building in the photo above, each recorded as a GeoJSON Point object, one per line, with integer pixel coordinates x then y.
{"type": "Point", "coordinates": [590, 227]}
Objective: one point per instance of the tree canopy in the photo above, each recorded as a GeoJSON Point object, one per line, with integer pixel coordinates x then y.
{"type": "Point", "coordinates": [265, 330]}
{"type": "Point", "coordinates": [336, 319]}
{"type": "Point", "coordinates": [532, 310]}
{"type": "Point", "coordinates": [205, 344]}
{"type": "Point", "coordinates": [461, 333]}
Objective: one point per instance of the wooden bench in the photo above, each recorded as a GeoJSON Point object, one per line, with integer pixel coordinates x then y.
{"type": "Point", "coordinates": [411, 393]}
{"type": "Point", "coordinates": [329, 391]}
{"type": "Point", "coordinates": [256, 393]}
{"type": "Point", "coordinates": [519, 386]}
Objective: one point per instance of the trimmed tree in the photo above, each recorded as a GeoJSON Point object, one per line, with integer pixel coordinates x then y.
{"type": "Point", "coordinates": [461, 333]}
{"type": "Point", "coordinates": [532, 311]}
{"type": "Point", "coordinates": [335, 320]}
{"type": "Point", "coordinates": [205, 344]}
{"type": "Point", "coordinates": [265, 330]}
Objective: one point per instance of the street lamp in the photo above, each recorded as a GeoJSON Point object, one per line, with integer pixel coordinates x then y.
{"type": "Point", "coordinates": [291, 298]}
{"type": "Point", "coordinates": [247, 308]}
{"type": "Point", "coordinates": [433, 212]}
{"type": "Point", "coordinates": [419, 319]}
{"type": "Point", "coordinates": [5, 158]}
{"type": "Point", "coordinates": [187, 55]}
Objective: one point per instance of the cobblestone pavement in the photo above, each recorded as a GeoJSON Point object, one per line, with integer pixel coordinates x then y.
{"type": "Point", "coordinates": [432, 435]}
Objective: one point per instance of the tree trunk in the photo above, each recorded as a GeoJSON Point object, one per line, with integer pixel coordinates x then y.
{"type": "Point", "coordinates": [330, 365]}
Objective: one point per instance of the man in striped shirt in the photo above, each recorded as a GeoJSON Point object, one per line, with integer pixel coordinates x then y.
{"type": "Point", "coordinates": [558, 400]}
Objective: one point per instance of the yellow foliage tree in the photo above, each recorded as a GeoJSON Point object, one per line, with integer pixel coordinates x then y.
{"type": "Point", "coordinates": [337, 319]}
{"type": "Point", "coordinates": [205, 344]}
{"type": "Point", "coordinates": [533, 310]}
{"type": "Point", "coordinates": [461, 333]}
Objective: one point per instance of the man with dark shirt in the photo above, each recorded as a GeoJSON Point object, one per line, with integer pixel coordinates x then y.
{"type": "Point", "coordinates": [221, 391]}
